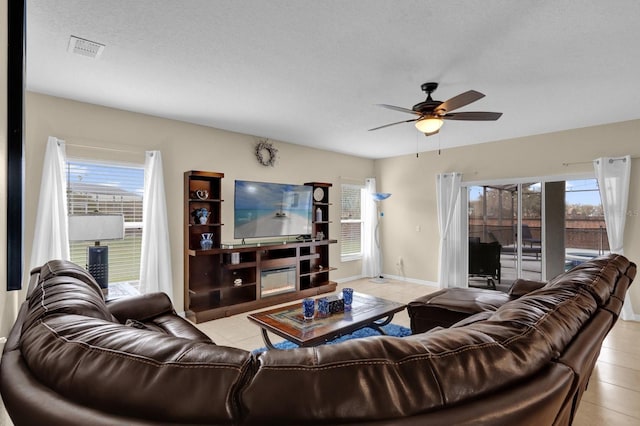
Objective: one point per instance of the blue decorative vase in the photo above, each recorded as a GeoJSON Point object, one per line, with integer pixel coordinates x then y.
{"type": "Point", "coordinates": [206, 243]}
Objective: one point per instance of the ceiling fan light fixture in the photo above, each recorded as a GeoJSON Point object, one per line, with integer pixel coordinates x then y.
{"type": "Point", "coordinates": [429, 125]}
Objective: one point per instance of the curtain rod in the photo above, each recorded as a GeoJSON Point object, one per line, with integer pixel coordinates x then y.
{"type": "Point", "coordinates": [352, 179]}
{"type": "Point", "coordinates": [75, 145]}
{"type": "Point", "coordinates": [591, 162]}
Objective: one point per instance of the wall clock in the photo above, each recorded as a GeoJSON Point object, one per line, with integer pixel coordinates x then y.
{"type": "Point", "coordinates": [318, 194]}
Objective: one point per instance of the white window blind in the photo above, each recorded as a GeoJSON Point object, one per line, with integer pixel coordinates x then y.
{"type": "Point", "coordinates": [351, 221]}
{"type": "Point", "coordinates": [109, 188]}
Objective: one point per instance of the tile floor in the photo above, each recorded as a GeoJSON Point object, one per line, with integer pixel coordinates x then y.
{"type": "Point", "coordinates": [238, 332]}
{"type": "Point", "coordinates": [613, 396]}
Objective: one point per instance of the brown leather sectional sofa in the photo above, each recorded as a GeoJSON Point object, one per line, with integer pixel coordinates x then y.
{"type": "Point", "coordinates": [71, 358]}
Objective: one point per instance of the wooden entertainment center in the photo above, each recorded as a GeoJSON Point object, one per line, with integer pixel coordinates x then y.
{"type": "Point", "coordinates": [228, 279]}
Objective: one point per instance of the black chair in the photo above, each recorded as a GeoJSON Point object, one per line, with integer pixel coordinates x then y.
{"type": "Point", "coordinates": [484, 261]}
{"type": "Point", "coordinates": [527, 237]}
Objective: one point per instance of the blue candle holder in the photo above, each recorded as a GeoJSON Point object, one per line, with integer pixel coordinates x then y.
{"type": "Point", "coordinates": [347, 296]}
{"type": "Point", "coordinates": [323, 307]}
{"type": "Point", "coordinates": [308, 308]}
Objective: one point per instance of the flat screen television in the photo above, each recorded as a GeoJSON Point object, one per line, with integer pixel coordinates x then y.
{"type": "Point", "coordinates": [263, 209]}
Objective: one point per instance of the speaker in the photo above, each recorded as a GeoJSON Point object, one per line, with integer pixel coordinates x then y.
{"type": "Point", "coordinates": [98, 264]}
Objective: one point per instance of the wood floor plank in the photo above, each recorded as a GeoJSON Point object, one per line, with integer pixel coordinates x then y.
{"type": "Point", "coordinates": [590, 414]}
{"type": "Point", "coordinates": [627, 378]}
{"type": "Point", "coordinates": [613, 397]}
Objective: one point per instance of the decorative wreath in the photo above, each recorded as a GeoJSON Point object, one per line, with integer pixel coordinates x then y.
{"type": "Point", "coordinates": [266, 153]}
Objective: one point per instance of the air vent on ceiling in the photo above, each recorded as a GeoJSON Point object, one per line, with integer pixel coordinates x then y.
{"type": "Point", "coordinates": [83, 47]}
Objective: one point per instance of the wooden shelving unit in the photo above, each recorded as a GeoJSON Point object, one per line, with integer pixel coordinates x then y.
{"type": "Point", "coordinates": [216, 286]}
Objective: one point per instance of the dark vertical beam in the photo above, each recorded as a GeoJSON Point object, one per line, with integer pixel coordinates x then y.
{"type": "Point", "coordinates": [16, 58]}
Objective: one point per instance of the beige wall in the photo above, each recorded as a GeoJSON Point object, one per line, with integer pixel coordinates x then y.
{"type": "Point", "coordinates": [184, 147]}
{"type": "Point", "coordinates": [409, 230]}
{"type": "Point", "coordinates": [411, 180]}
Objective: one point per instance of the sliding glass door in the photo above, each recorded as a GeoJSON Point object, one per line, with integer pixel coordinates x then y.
{"type": "Point", "coordinates": [542, 229]}
{"type": "Point", "coordinates": [508, 216]}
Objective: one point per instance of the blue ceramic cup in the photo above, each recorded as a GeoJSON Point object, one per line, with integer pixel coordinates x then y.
{"type": "Point", "coordinates": [308, 307]}
{"type": "Point", "coordinates": [347, 296]}
{"type": "Point", "coordinates": [323, 307]}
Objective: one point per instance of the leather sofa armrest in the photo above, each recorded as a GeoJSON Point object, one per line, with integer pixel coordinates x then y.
{"type": "Point", "coordinates": [520, 287]}
{"type": "Point", "coordinates": [140, 308]}
{"type": "Point", "coordinates": [154, 312]}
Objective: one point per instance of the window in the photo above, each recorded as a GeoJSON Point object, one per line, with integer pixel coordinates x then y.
{"type": "Point", "coordinates": [585, 228]}
{"type": "Point", "coordinates": [109, 188]}
{"type": "Point", "coordinates": [351, 222]}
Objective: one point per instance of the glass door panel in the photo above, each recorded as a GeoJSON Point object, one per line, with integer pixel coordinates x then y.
{"type": "Point", "coordinates": [528, 231]}
{"type": "Point", "coordinates": [512, 216]}
{"type": "Point", "coordinates": [490, 233]}
{"type": "Point", "coordinates": [495, 218]}
{"type": "Point", "coordinates": [585, 228]}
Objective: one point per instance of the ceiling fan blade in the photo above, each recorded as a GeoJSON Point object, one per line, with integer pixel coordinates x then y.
{"type": "Point", "coordinates": [473, 116]}
{"type": "Point", "coordinates": [461, 100]}
{"type": "Point", "coordinates": [393, 124]}
{"type": "Point", "coordinates": [397, 108]}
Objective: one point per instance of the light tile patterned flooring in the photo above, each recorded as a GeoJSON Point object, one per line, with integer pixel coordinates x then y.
{"type": "Point", "coordinates": [238, 331]}
{"type": "Point", "coordinates": [613, 395]}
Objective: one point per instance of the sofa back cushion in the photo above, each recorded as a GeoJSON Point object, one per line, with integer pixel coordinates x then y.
{"type": "Point", "coordinates": [56, 268]}
{"type": "Point", "coordinates": [134, 372]}
{"type": "Point", "coordinates": [388, 377]}
{"type": "Point", "coordinates": [62, 287]}
{"type": "Point", "coordinates": [599, 276]}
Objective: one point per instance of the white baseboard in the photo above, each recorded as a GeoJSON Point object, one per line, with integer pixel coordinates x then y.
{"type": "Point", "coordinates": [635, 317]}
{"type": "Point", "coordinates": [394, 277]}
{"type": "Point", "coordinates": [346, 280]}
{"type": "Point", "coordinates": [412, 280]}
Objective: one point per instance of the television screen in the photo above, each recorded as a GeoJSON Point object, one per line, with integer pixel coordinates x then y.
{"type": "Point", "coordinates": [263, 209]}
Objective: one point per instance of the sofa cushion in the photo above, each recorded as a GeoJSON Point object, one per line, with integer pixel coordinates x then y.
{"type": "Point", "coordinates": [65, 295]}
{"type": "Point", "coordinates": [446, 307]}
{"type": "Point", "coordinates": [154, 311]}
{"type": "Point", "coordinates": [176, 326]}
{"type": "Point", "coordinates": [63, 268]}
{"type": "Point", "coordinates": [427, 371]}
{"type": "Point", "coordinates": [614, 304]}
{"type": "Point", "coordinates": [142, 307]}
{"type": "Point", "coordinates": [480, 316]}
{"type": "Point", "coordinates": [557, 314]}
{"type": "Point", "coordinates": [466, 300]}
{"type": "Point", "coordinates": [598, 276]}
{"type": "Point", "coordinates": [520, 287]}
{"type": "Point", "coordinates": [56, 268]}
{"type": "Point", "coordinates": [133, 372]}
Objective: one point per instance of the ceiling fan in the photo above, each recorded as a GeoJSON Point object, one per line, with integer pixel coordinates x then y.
{"type": "Point", "coordinates": [432, 113]}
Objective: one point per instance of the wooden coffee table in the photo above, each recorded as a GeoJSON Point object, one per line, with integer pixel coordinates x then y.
{"type": "Point", "coordinates": [287, 321]}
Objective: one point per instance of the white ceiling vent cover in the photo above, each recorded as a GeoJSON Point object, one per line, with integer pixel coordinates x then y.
{"type": "Point", "coordinates": [83, 47]}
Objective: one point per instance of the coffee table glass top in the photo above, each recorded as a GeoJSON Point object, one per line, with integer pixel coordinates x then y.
{"type": "Point", "coordinates": [288, 322]}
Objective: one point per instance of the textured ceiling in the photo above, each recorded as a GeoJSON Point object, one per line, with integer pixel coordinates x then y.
{"type": "Point", "coordinates": [311, 72]}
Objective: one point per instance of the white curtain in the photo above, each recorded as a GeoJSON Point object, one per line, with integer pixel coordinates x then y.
{"type": "Point", "coordinates": [613, 176]}
{"type": "Point", "coordinates": [155, 258]}
{"type": "Point", "coordinates": [51, 235]}
{"type": "Point", "coordinates": [452, 267]}
{"type": "Point", "coordinates": [370, 250]}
